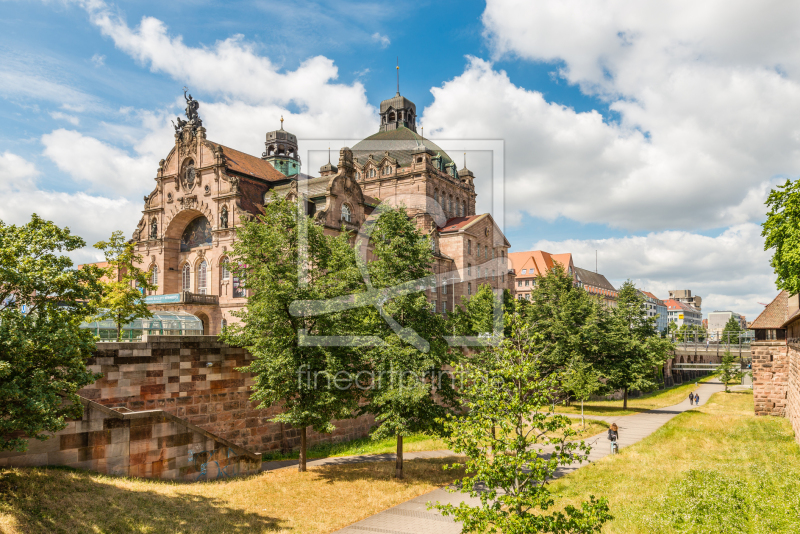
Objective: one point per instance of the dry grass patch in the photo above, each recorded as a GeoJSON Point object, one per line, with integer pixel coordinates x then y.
{"type": "Point", "coordinates": [322, 500]}
{"type": "Point", "coordinates": [715, 469]}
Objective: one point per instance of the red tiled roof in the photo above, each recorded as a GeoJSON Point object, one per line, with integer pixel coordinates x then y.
{"type": "Point", "coordinates": [673, 304]}
{"type": "Point", "coordinates": [537, 262]}
{"type": "Point", "coordinates": [774, 314]}
{"type": "Point", "coordinates": [250, 165]}
{"type": "Point", "coordinates": [457, 223]}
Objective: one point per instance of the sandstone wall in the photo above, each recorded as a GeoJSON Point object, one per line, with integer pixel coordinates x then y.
{"type": "Point", "coordinates": [793, 388]}
{"type": "Point", "coordinates": [195, 379]}
{"type": "Point", "coordinates": [771, 376]}
{"type": "Point", "coordinates": [151, 444]}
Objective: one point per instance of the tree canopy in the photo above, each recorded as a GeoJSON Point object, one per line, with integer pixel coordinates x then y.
{"type": "Point", "coordinates": [43, 350]}
{"type": "Point", "coordinates": [282, 268]}
{"type": "Point", "coordinates": [124, 285]}
{"type": "Point", "coordinates": [781, 231]}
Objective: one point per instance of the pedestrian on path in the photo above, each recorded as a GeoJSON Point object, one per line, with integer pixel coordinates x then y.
{"type": "Point", "coordinates": [691, 398]}
{"type": "Point", "coordinates": [696, 400]}
{"type": "Point", "coordinates": [613, 436]}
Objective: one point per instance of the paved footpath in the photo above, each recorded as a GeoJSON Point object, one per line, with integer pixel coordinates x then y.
{"type": "Point", "coordinates": [413, 517]}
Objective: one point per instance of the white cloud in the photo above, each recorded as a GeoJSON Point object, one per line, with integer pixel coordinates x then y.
{"type": "Point", "coordinates": [14, 168]}
{"type": "Point", "coordinates": [693, 170]}
{"type": "Point", "coordinates": [104, 167]}
{"type": "Point", "coordinates": [72, 119]}
{"type": "Point", "coordinates": [98, 60]}
{"type": "Point", "coordinates": [91, 217]}
{"type": "Point", "coordinates": [381, 39]}
{"type": "Point", "coordinates": [727, 271]}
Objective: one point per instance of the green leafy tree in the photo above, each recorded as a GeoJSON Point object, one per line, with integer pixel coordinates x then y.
{"type": "Point", "coordinates": [633, 350]}
{"type": "Point", "coordinates": [673, 329]}
{"type": "Point", "coordinates": [43, 350]}
{"type": "Point", "coordinates": [732, 331]}
{"type": "Point", "coordinates": [567, 318]}
{"type": "Point", "coordinates": [308, 380]}
{"type": "Point", "coordinates": [505, 422]}
{"type": "Point", "coordinates": [125, 284]}
{"type": "Point", "coordinates": [691, 332]}
{"type": "Point", "coordinates": [476, 315]}
{"type": "Point", "coordinates": [412, 389]}
{"type": "Point", "coordinates": [781, 231]}
{"type": "Point", "coordinates": [583, 381]}
{"type": "Point", "coordinates": [728, 370]}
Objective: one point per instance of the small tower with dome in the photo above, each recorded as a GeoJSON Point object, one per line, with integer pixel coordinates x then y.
{"type": "Point", "coordinates": [281, 152]}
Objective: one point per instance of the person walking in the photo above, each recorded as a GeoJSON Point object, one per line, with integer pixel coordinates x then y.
{"type": "Point", "coordinates": [696, 399]}
{"type": "Point", "coordinates": [613, 436]}
{"type": "Point", "coordinates": [691, 398]}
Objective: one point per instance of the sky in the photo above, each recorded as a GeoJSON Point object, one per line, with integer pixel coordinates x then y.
{"type": "Point", "coordinates": [648, 133]}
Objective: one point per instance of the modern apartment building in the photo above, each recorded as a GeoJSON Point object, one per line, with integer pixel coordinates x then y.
{"type": "Point", "coordinates": [681, 313]}
{"type": "Point", "coordinates": [655, 307]}
{"type": "Point", "coordinates": [718, 319]}
{"type": "Point", "coordinates": [685, 296]}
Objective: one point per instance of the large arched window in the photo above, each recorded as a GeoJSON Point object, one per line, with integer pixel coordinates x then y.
{"type": "Point", "coordinates": [224, 271]}
{"type": "Point", "coordinates": [202, 278]}
{"type": "Point", "coordinates": [196, 234]}
{"type": "Point", "coordinates": [345, 213]}
{"type": "Point", "coordinates": [186, 278]}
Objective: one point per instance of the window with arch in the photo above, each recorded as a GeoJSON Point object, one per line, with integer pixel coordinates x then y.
{"type": "Point", "coordinates": [346, 213]}
{"type": "Point", "coordinates": [202, 278]}
{"type": "Point", "coordinates": [186, 278]}
{"type": "Point", "coordinates": [469, 288]}
{"type": "Point", "coordinates": [436, 196]}
{"type": "Point", "coordinates": [224, 271]}
{"type": "Point", "coordinates": [358, 175]}
{"type": "Point", "coordinates": [154, 275]}
{"type": "Point", "coordinates": [372, 173]}
{"type": "Point", "coordinates": [464, 208]}
{"type": "Point", "coordinates": [450, 205]}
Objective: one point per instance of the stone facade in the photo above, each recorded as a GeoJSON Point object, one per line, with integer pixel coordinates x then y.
{"type": "Point", "coordinates": [770, 376]}
{"type": "Point", "coordinates": [195, 379]}
{"type": "Point", "coordinates": [148, 444]}
{"type": "Point", "coordinates": [204, 190]}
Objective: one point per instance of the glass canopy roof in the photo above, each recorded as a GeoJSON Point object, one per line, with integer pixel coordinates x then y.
{"type": "Point", "coordinates": [162, 323]}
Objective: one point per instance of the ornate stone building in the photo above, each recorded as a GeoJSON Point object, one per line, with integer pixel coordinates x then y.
{"type": "Point", "coordinates": [204, 190]}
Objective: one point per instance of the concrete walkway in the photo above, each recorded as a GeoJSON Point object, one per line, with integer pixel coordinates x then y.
{"type": "Point", "coordinates": [413, 517]}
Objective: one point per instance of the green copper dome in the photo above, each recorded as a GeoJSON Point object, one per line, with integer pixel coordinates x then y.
{"type": "Point", "coordinates": [399, 143]}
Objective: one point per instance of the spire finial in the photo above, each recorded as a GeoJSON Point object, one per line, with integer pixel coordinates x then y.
{"type": "Point", "coordinates": [329, 153]}
{"type": "Point", "coordinates": [465, 160]}
{"type": "Point", "coordinates": [398, 75]}
{"type": "Point", "coordinates": [422, 133]}
{"type": "Point", "coordinates": [281, 122]}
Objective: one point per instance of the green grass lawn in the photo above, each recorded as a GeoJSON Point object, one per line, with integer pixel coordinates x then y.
{"type": "Point", "coordinates": [714, 469]}
{"type": "Point", "coordinates": [649, 401]}
{"type": "Point", "coordinates": [414, 443]}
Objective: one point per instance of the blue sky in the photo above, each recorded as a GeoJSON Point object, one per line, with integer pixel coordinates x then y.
{"type": "Point", "coordinates": [648, 134]}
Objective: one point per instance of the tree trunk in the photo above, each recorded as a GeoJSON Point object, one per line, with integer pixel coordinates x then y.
{"type": "Point", "coordinates": [398, 466]}
{"type": "Point", "coordinates": [301, 467]}
{"type": "Point", "coordinates": [582, 418]}
{"type": "Point", "coordinates": [625, 399]}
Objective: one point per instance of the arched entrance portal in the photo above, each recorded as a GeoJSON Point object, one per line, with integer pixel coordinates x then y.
{"type": "Point", "coordinates": [203, 317]}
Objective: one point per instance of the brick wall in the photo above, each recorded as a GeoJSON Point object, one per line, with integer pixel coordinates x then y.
{"type": "Point", "coordinates": [770, 376]}
{"type": "Point", "coordinates": [793, 388]}
{"type": "Point", "coordinates": [195, 379]}
{"type": "Point", "coordinates": [151, 444]}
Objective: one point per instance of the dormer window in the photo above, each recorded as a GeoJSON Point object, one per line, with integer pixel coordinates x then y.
{"type": "Point", "coordinates": [345, 213]}
{"type": "Point", "coordinates": [524, 271]}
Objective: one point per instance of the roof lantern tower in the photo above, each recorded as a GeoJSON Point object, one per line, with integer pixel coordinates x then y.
{"type": "Point", "coordinates": [282, 152]}
{"type": "Point", "coordinates": [398, 111]}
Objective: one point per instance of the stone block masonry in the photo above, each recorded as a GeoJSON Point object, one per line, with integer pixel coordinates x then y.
{"type": "Point", "coordinates": [172, 408]}
{"type": "Point", "coordinates": [771, 366]}
{"type": "Point", "coordinates": [149, 444]}
{"type": "Point", "coordinates": [195, 379]}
